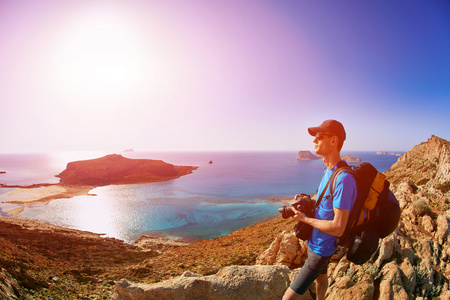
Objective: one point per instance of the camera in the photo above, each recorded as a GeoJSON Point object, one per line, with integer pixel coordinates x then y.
{"type": "Point", "coordinates": [304, 204]}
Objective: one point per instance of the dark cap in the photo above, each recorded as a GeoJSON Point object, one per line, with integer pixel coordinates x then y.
{"type": "Point", "coordinates": [329, 126]}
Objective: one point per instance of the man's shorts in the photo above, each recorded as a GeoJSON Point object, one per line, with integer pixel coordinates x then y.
{"type": "Point", "coordinates": [314, 266]}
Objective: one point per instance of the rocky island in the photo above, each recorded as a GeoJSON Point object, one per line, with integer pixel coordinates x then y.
{"type": "Point", "coordinates": [307, 155]}
{"type": "Point", "coordinates": [116, 169]}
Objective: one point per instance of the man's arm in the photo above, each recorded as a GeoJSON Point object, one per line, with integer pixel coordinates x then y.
{"type": "Point", "coordinates": [334, 227]}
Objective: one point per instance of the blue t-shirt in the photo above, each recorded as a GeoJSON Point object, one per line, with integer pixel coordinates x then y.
{"type": "Point", "coordinates": [344, 197]}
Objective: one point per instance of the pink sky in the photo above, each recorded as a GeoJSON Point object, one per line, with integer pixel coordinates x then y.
{"type": "Point", "coordinates": [220, 75]}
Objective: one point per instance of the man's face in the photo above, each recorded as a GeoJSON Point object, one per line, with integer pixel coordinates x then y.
{"type": "Point", "coordinates": [322, 143]}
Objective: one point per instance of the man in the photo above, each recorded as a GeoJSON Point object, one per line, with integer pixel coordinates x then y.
{"type": "Point", "coordinates": [330, 217]}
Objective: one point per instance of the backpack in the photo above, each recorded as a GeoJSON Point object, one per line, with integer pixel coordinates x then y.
{"type": "Point", "coordinates": [375, 214]}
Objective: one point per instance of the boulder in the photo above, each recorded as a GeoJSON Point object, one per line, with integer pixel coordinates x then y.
{"type": "Point", "coordinates": [428, 223]}
{"type": "Point", "coordinates": [233, 282]}
{"type": "Point", "coordinates": [286, 250]}
{"type": "Point", "coordinates": [347, 289]}
{"type": "Point", "coordinates": [391, 285]}
{"type": "Point", "coordinates": [442, 229]}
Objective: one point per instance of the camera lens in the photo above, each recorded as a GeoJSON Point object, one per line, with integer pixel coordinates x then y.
{"type": "Point", "coordinates": [286, 212]}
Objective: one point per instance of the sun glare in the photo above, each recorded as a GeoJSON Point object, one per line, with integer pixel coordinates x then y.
{"type": "Point", "coordinates": [98, 58]}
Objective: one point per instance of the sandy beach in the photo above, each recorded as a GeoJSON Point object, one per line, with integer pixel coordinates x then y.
{"type": "Point", "coordinates": [14, 211]}
{"type": "Point", "coordinates": [44, 195]}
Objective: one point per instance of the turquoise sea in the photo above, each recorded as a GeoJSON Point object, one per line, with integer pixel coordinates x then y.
{"type": "Point", "coordinates": [236, 190]}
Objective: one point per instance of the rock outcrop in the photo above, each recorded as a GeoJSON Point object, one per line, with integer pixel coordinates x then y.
{"type": "Point", "coordinates": [116, 169]}
{"type": "Point", "coordinates": [349, 158]}
{"type": "Point", "coordinates": [307, 155]}
{"type": "Point", "coordinates": [233, 282]}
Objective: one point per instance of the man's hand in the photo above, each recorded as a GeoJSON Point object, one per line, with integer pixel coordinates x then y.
{"type": "Point", "coordinates": [299, 216]}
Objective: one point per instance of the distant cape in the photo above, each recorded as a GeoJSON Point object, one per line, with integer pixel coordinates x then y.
{"type": "Point", "coordinates": [307, 155]}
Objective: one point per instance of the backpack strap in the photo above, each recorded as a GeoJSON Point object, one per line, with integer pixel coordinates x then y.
{"type": "Point", "coordinates": [341, 167]}
{"type": "Point", "coordinates": [332, 180]}
{"type": "Point", "coordinates": [323, 193]}
{"type": "Point", "coordinates": [357, 207]}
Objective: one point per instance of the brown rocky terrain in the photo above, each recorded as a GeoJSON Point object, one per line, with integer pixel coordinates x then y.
{"type": "Point", "coordinates": [41, 261]}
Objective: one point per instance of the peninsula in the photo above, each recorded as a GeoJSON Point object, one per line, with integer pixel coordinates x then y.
{"type": "Point", "coordinates": [307, 155]}
{"type": "Point", "coordinates": [388, 153]}
{"type": "Point", "coordinates": [80, 177]}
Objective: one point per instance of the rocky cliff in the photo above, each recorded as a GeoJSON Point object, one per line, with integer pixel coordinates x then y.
{"type": "Point", "coordinates": [427, 165]}
{"type": "Point", "coordinates": [116, 169]}
{"type": "Point", "coordinates": [411, 263]}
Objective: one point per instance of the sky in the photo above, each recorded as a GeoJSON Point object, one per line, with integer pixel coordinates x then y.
{"type": "Point", "coordinates": [221, 75]}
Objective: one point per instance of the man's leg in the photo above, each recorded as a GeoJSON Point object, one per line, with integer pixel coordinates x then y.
{"type": "Point", "coordinates": [291, 295]}
{"type": "Point", "coordinates": [315, 266]}
{"type": "Point", "coordinates": [321, 286]}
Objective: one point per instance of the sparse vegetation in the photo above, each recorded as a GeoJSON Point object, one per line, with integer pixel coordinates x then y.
{"type": "Point", "coordinates": [435, 290]}
{"type": "Point", "coordinates": [372, 270]}
{"type": "Point", "coordinates": [421, 207]}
